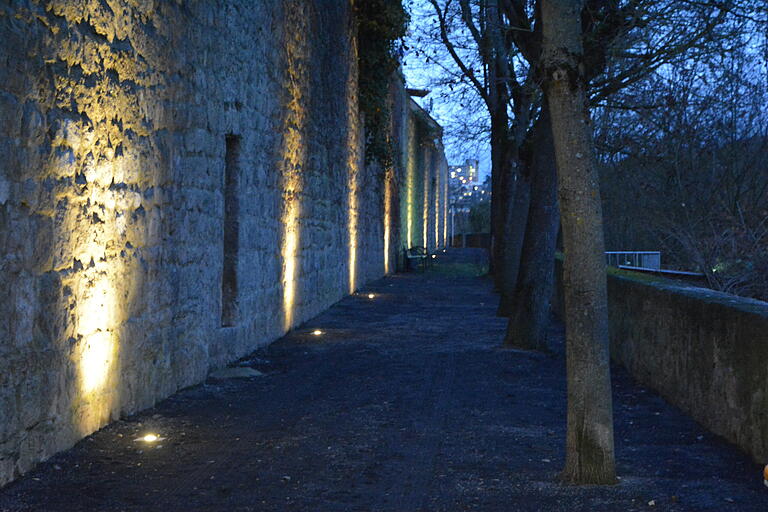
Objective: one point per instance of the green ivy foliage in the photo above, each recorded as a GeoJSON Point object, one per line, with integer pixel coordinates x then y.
{"type": "Point", "coordinates": [382, 24]}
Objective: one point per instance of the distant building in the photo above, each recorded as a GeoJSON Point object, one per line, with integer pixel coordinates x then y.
{"type": "Point", "coordinates": [463, 198]}
{"type": "Point", "coordinates": [463, 191]}
{"type": "Point", "coordinates": [464, 174]}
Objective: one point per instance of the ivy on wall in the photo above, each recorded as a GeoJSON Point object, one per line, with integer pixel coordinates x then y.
{"type": "Point", "coordinates": [382, 24]}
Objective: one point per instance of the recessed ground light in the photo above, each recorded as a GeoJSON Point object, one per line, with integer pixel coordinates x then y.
{"type": "Point", "coordinates": [317, 332]}
{"type": "Point", "coordinates": [371, 295]}
{"type": "Point", "coordinates": [434, 256]}
{"type": "Point", "coordinates": [149, 438]}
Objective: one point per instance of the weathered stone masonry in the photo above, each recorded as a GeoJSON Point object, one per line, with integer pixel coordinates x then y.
{"type": "Point", "coordinates": [179, 183]}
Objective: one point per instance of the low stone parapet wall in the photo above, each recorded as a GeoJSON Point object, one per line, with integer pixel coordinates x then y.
{"type": "Point", "coordinates": [704, 351]}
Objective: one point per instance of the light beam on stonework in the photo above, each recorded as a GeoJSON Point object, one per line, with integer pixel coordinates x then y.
{"type": "Point", "coordinates": [352, 204]}
{"type": "Point", "coordinates": [289, 253]}
{"type": "Point", "coordinates": [409, 216]}
{"type": "Point", "coordinates": [437, 212]}
{"type": "Point", "coordinates": [293, 163]}
{"type": "Point", "coordinates": [409, 186]}
{"type": "Point", "coordinates": [425, 204]}
{"type": "Point", "coordinates": [294, 155]}
{"type": "Point", "coordinates": [352, 190]}
{"type": "Point", "coordinates": [99, 287]}
{"type": "Point", "coordinates": [387, 219]}
{"type": "Point", "coordinates": [445, 216]}
{"type": "Point", "coordinates": [98, 349]}
{"type": "Point", "coordinates": [355, 151]}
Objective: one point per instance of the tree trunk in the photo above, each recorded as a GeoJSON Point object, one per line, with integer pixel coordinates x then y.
{"type": "Point", "coordinates": [515, 219]}
{"type": "Point", "coordinates": [589, 449]}
{"type": "Point", "coordinates": [499, 172]}
{"type": "Point", "coordinates": [530, 305]}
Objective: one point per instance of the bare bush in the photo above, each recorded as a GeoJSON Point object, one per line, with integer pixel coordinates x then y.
{"type": "Point", "coordinates": [687, 172]}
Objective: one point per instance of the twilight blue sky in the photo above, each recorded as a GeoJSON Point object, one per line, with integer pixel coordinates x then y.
{"type": "Point", "coordinates": [442, 104]}
{"type": "Point", "coordinates": [426, 66]}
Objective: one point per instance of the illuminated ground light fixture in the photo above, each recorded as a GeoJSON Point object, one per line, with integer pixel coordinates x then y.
{"type": "Point", "coordinates": [317, 332]}
{"type": "Point", "coordinates": [434, 256]}
{"type": "Point", "coordinates": [149, 438]}
{"type": "Point", "coordinates": [371, 295]}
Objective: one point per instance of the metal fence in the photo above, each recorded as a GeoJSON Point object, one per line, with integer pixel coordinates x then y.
{"type": "Point", "coordinates": [637, 259]}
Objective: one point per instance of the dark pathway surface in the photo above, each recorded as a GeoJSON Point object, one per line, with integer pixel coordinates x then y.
{"type": "Point", "coordinates": [406, 403]}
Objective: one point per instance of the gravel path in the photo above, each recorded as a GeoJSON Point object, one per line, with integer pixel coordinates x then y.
{"type": "Point", "coordinates": [405, 403]}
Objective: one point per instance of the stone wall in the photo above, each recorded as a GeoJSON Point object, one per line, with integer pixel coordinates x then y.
{"type": "Point", "coordinates": [704, 351]}
{"type": "Point", "coordinates": [180, 182]}
{"type": "Point", "coordinates": [423, 180]}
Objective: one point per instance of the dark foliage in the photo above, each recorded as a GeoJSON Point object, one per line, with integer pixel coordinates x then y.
{"type": "Point", "coordinates": [382, 24]}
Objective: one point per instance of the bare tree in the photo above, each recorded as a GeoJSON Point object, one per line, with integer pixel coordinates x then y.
{"type": "Point", "coordinates": [691, 157]}
{"type": "Point", "coordinates": [589, 449]}
{"type": "Point", "coordinates": [530, 307]}
{"type": "Point", "coordinates": [511, 100]}
{"type": "Point", "coordinates": [583, 52]}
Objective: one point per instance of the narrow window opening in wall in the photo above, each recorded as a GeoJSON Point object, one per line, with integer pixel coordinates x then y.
{"type": "Point", "coordinates": [231, 231]}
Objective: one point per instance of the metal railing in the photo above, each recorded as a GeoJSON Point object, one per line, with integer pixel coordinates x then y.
{"type": "Point", "coordinates": [638, 259]}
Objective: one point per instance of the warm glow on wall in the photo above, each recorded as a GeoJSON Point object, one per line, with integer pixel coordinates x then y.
{"type": "Point", "coordinates": [98, 349]}
{"type": "Point", "coordinates": [355, 150]}
{"type": "Point", "coordinates": [425, 200]}
{"type": "Point", "coordinates": [352, 190]}
{"type": "Point", "coordinates": [387, 216]}
{"type": "Point", "coordinates": [289, 255]}
{"type": "Point", "coordinates": [409, 216]}
{"type": "Point", "coordinates": [294, 159]}
{"type": "Point", "coordinates": [445, 214]}
{"type": "Point", "coordinates": [437, 208]}
{"type": "Point", "coordinates": [99, 285]}
{"type": "Point", "coordinates": [410, 180]}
